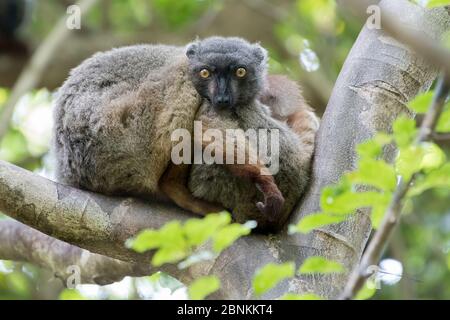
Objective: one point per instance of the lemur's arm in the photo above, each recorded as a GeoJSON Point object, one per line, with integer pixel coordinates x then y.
{"type": "Point", "coordinates": [252, 169]}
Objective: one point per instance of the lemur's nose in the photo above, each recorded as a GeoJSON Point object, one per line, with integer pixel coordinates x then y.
{"type": "Point", "coordinates": [223, 100]}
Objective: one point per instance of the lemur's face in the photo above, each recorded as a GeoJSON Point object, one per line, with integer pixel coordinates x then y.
{"type": "Point", "coordinates": [228, 72]}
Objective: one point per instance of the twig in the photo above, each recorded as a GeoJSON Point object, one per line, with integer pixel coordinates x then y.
{"type": "Point", "coordinates": [35, 68]}
{"type": "Point", "coordinates": [441, 137]}
{"type": "Point", "coordinates": [392, 216]}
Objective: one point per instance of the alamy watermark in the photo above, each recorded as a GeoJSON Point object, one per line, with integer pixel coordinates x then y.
{"type": "Point", "coordinates": [73, 21]}
{"type": "Point", "coordinates": [229, 146]}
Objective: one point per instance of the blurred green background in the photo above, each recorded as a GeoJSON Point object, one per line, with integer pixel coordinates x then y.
{"type": "Point", "coordinates": [307, 40]}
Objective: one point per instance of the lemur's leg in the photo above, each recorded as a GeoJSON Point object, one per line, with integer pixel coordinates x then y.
{"type": "Point", "coordinates": [174, 184]}
{"type": "Point", "coordinates": [256, 172]}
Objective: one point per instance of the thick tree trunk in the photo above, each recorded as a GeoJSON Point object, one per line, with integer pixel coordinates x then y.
{"type": "Point", "coordinates": [378, 78]}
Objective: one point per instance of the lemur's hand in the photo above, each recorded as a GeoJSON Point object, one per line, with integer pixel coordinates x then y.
{"type": "Point", "coordinates": [273, 202]}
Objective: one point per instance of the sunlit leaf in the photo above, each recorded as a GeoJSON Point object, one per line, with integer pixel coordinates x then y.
{"type": "Point", "coordinates": [405, 131]}
{"type": "Point", "coordinates": [229, 234]}
{"type": "Point", "coordinates": [14, 146]}
{"type": "Point", "coordinates": [4, 94]}
{"type": "Point", "coordinates": [439, 178]}
{"type": "Point", "coordinates": [306, 296]}
{"type": "Point", "coordinates": [202, 287]}
{"type": "Point", "coordinates": [369, 173]}
{"type": "Point", "coordinates": [413, 158]}
{"type": "Point", "coordinates": [373, 147]}
{"type": "Point", "coordinates": [437, 3]}
{"type": "Point", "coordinates": [270, 275]}
{"type": "Point", "coordinates": [433, 158]}
{"type": "Point", "coordinates": [377, 213]}
{"type": "Point", "coordinates": [409, 161]}
{"type": "Point", "coordinates": [145, 240]}
{"type": "Point", "coordinates": [170, 234]}
{"type": "Point", "coordinates": [367, 291]}
{"type": "Point", "coordinates": [18, 282]}
{"type": "Point", "coordinates": [422, 102]}
{"type": "Point", "coordinates": [199, 230]}
{"type": "Point", "coordinates": [350, 201]}
{"type": "Point", "coordinates": [319, 264]}
{"type": "Point", "coordinates": [314, 221]}
{"type": "Point", "coordinates": [443, 124]}
{"type": "Point", "coordinates": [168, 254]}
{"type": "Point", "coordinates": [71, 294]}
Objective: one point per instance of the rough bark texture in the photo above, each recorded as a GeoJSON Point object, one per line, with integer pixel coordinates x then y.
{"type": "Point", "coordinates": [378, 78]}
{"type": "Point", "coordinates": [20, 243]}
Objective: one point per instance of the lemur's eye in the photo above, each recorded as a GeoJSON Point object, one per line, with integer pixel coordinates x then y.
{"type": "Point", "coordinates": [241, 72]}
{"type": "Point", "coordinates": [204, 73]}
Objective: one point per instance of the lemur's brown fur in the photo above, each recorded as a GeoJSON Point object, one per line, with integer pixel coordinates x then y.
{"type": "Point", "coordinates": [114, 118]}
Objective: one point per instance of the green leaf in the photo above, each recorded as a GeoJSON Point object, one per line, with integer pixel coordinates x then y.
{"type": "Point", "coordinates": [145, 240]}
{"type": "Point", "coordinates": [443, 124]}
{"type": "Point", "coordinates": [171, 234]}
{"type": "Point", "coordinates": [412, 159]}
{"type": "Point", "coordinates": [350, 201]}
{"type": "Point", "coordinates": [376, 173]}
{"type": "Point", "coordinates": [433, 158]}
{"type": "Point", "coordinates": [377, 213]}
{"type": "Point", "coordinates": [202, 287]}
{"type": "Point", "coordinates": [71, 294]}
{"type": "Point", "coordinates": [439, 178]}
{"type": "Point", "coordinates": [422, 102]}
{"type": "Point", "coordinates": [437, 3]}
{"type": "Point", "coordinates": [199, 230]}
{"type": "Point", "coordinates": [306, 296]}
{"type": "Point", "coordinates": [13, 146]}
{"type": "Point", "coordinates": [405, 131]}
{"type": "Point", "coordinates": [372, 148]}
{"type": "Point", "coordinates": [409, 160]}
{"type": "Point", "coordinates": [18, 282]}
{"type": "Point", "coordinates": [270, 275]}
{"type": "Point", "coordinates": [319, 264]}
{"type": "Point", "coordinates": [229, 234]}
{"type": "Point", "coordinates": [169, 254]}
{"type": "Point", "coordinates": [314, 221]}
{"type": "Point", "coordinates": [367, 291]}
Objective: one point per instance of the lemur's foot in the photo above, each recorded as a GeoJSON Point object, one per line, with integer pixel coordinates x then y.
{"type": "Point", "coordinates": [271, 208]}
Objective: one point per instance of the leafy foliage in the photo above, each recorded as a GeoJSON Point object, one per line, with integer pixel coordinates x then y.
{"type": "Point", "coordinates": [319, 264]}
{"type": "Point", "coordinates": [372, 184]}
{"type": "Point", "coordinates": [175, 241]}
{"type": "Point", "coordinates": [202, 287]}
{"type": "Point", "coordinates": [270, 275]}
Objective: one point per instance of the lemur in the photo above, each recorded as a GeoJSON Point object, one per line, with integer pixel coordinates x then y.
{"type": "Point", "coordinates": [231, 75]}
{"type": "Point", "coordinates": [115, 113]}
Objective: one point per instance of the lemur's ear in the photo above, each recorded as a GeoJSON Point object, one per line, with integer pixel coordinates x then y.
{"type": "Point", "coordinates": [191, 50]}
{"type": "Point", "coordinates": [260, 53]}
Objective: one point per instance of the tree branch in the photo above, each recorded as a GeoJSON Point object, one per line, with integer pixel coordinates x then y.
{"type": "Point", "coordinates": [421, 41]}
{"type": "Point", "coordinates": [391, 218]}
{"type": "Point", "coordinates": [21, 243]}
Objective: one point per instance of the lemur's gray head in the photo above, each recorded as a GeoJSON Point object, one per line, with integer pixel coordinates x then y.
{"type": "Point", "coordinates": [229, 72]}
